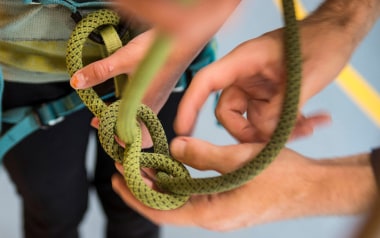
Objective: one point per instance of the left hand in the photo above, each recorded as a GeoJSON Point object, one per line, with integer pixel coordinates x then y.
{"type": "Point", "coordinates": [272, 195]}
{"type": "Point", "coordinates": [125, 61]}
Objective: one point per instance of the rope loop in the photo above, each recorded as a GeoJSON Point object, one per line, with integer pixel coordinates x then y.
{"type": "Point", "coordinates": [132, 159]}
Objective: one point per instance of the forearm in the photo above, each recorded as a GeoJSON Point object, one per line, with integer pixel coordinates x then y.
{"type": "Point", "coordinates": [340, 25]}
{"type": "Point", "coordinates": [355, 16]}
{"type": "Point", "coordinates": [349, 184]}
{"type": "Point", "coordinates": [327, 187]}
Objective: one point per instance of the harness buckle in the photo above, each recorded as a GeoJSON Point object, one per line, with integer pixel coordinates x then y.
{"type": "Point", "coordinates": [46, 116]}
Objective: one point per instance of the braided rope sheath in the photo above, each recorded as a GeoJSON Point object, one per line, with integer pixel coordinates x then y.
{"type": "Point", "coordinates": [172, 175]}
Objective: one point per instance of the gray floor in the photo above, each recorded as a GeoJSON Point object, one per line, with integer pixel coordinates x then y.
{"type": "Point", "coordinates": [353, 130]}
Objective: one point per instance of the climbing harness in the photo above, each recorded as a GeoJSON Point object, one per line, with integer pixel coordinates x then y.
{"type": "Point", "coordinates": [172, 177]}
{"type": "Point", "coordinates": [28, 119]}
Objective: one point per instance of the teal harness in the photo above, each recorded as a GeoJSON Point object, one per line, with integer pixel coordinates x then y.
{"type": "Point", "coordinates": [28, 119]}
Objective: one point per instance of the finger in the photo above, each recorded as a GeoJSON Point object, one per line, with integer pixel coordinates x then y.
{"type": "Point", "coordinates": [230, 111]}
{"type": "Point", "coordinates": [149, 177]}
{"type": "Point", "coordinates": [146, 173]}
{"type": "Point", "coordinates": [305, 125]}
{"type": "Point", "coordinates": [205, 156]}
{"type": "Point", "coordinates": [208, 80]}
{"type": "Point", "coordinates": [123, 61]}
{"type": "Point", "coordinates": [119, 167]}
{"type": "Point", "coordinates": [98, 72]}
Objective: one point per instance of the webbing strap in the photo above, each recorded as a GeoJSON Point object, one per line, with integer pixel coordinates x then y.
{"type": "Point", "coordinates": [14, 135]}
{"type": "Point", "coordinates": [27, 120]}
{"type": "Point", "coordinates": [112, 44]}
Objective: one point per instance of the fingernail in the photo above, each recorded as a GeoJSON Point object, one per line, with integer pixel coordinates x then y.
{"type": "Point", "coordinates": [78, 81]}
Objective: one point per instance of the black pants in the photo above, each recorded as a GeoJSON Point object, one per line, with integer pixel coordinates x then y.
{"type": "Point", "coordinates": [48, 169]}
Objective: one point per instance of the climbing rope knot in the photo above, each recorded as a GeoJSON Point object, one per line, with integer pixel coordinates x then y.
{"type": "Point", "coordinates": [133, 159]}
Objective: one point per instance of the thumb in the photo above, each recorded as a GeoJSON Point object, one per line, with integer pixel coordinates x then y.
{"type": "Point", "coordinates": [208, 80]}
{"type": "Point", "coordinates": [206, 156]}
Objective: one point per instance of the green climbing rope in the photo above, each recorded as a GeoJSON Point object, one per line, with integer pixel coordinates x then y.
{"type": "Point", "coordinates": [172, 177]}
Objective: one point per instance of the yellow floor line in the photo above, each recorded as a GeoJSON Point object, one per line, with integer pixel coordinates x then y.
{"type": "Point", "coordinates": [360, 92]}
{"type": "Point", "coordinates": [350, 81]}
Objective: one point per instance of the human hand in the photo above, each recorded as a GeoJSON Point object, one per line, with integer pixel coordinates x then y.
{"type": "Point", "coordinates": [253, 79]}
{"type": "Point", "coordinates": [125, 61]}
{"type": "Point", "coordinates": [292, 186]}
{"type": "Point", "coordinates": [253, 74]}
{"type": "Point", "coordinates": [244, 206]}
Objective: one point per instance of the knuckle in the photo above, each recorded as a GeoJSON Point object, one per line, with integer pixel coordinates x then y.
{"type": "Point", "coordinates": [218, 112]}
{"type": "Point", "coordinates": [101, 71]}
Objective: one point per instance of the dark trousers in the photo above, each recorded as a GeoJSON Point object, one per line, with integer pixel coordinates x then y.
{"type": "Point", "coordinates": [48, 169]}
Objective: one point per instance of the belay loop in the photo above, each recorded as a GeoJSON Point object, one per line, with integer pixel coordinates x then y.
{"type": "Point", "coordinates": [172, 177]}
